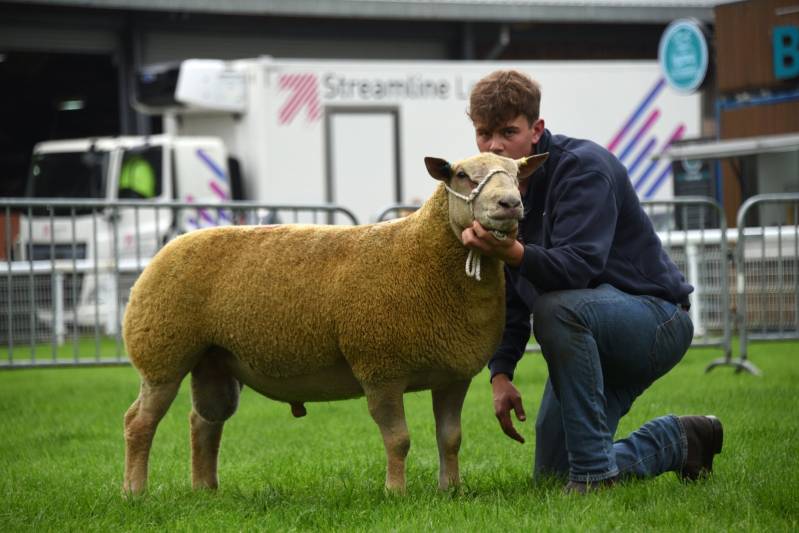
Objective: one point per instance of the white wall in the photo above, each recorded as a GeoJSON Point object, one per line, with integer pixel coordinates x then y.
{"type": "Point", "coordinates": [777, 173]}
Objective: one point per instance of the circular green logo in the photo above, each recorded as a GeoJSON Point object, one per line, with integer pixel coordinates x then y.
{"type": "Point", "coordinates": [683, 55]}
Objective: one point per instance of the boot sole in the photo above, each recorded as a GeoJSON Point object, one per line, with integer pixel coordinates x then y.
{"type": "Point", "coordinates": [715, 447]}
{"type": "Point", "coordinates": [718, 435]}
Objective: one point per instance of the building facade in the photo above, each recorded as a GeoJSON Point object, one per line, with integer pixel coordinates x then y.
{"type": "Point", "coordinates": [67, 67]}
{"type": "Point", "coordinates": [757, 61]}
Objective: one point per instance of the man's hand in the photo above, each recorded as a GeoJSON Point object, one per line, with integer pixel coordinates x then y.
{"type": "Point", "coordinates": [509, 250]}
{"type": "Point", "coordinates": [507, 397]}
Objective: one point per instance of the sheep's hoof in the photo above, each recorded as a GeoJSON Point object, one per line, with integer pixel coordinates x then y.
{"type": "Point", "coordinates": [394, 490]}
{"type": "Point", "coordinates": [205, 486]}
{"type": "Point", "coordinates": [298, 409]}
{"type": "Point", "coordinates": [449, 486]}
{"type": "Point", "coordinates": [130, 493]}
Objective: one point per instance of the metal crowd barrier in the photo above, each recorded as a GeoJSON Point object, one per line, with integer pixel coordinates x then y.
{"type": "Point", "coordinates": [396, 211]}
{"type": "Point", "coordinates": [67, 266]}
{"type": "Point", "coordinates": [767, 272]}
{"type": "Point", "coordinates": [693, 231]}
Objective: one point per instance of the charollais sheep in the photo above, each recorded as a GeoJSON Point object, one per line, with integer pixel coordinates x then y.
{"type": "Point", "coordinates": [305, 313]}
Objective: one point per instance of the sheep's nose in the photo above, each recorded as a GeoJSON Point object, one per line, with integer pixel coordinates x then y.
{"type": "Point", "coordinates": [510, 203]}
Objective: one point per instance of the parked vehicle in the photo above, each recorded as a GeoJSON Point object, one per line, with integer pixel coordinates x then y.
{"type": "Point", "coordinates": [352, 133]}
{"type": "Point", "coordinates": [355, 132]}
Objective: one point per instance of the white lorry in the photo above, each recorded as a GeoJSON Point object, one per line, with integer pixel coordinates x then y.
{"type": "Point", "coordinates": [191, 168]}
{"type": "Point", "coordinates": [353, 133]}
{"type": "Point", "coordinates": [93, 241]}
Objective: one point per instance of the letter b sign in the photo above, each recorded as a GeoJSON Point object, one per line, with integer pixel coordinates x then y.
{"type": "Point", "coordinates": [785, 40]}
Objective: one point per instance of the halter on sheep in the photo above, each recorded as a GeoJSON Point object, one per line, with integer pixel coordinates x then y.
{"type": "Point", "coordinates": [524, 167]}
{"type": "Point", "coordinates": [473, 259]}
{"type": "Point", "coordinates": [380, 310]}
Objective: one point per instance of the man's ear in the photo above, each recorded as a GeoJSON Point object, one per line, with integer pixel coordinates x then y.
{"type": "Point", "coordinates": [528, 165]}
{"type": "Point", "coordinates": [439, 168]}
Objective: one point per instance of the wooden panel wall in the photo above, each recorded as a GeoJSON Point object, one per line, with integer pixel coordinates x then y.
{"type": "Point", "coordinates": [752, 121]}
{"type": "Point", "coordinates": [767, 119]}
{"type": "Point", "coordinates": [743, 43]}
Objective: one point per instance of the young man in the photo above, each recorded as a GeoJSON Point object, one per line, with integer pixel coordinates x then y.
{"type": "Point", "coordinates": [609, 307]}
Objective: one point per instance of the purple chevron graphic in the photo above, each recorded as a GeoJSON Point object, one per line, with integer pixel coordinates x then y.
{"type": "Point", "coordinates": [219, 187]}
{"type": "Point", "coordinates": [637, 138]}
{"type": "Point", "coordinates": [217, 171]}
{"type": "Point", "coordinates": [641, 156]}
{"type": "Point", "coordinates": [650, 192]}
{"type": "Point", "coordinates": [647, 125]}
{"type": "Point", "coordinates": [645, 103]}
{"type": "Point", "coordinates": [203, 214]}
{"type": "Point", "coordinates": [676, 135]}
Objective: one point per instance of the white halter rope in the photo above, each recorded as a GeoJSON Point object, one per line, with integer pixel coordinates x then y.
{"type": "Point", "coordinates": [473, 259]}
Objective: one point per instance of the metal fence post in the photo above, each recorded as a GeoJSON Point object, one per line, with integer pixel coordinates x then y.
{"type": "Point", "coordinates": [692, 260]}
{"type": "Point", "coordinates": [69, 265]}
{"type": "Point", "coordinates": [710, 303]}
{"type": "Point", "coordinates": [58, 307]}
{"type": "Point", "coordinates": [745, 331]}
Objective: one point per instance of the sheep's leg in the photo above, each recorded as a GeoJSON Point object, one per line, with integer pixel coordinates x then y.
{"type": "Point", "coordinates": [141, 421]}
{"type": "Point", "coordinates": [387, 410]}
{"type": "Point", "coordinates": [215, 397]}
{"type": "Point", "coordinates": [447, 406]}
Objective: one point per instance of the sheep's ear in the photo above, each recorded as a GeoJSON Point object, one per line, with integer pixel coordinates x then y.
{"type": "Point", "coordinates": [528, 165]}
{"type": "Point", "coordinates": [439, 168]}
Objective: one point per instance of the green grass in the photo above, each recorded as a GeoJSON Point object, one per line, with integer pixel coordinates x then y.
{"type": "Point", "coordinates": [84, 348]}
{"type": "Point", "coordinates": [61, 458]}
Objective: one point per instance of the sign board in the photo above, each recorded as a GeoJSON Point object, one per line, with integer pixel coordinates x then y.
{"type": "Point", "coordinates": [785, 43]}
{"type": "Point", "coordinates": [683, 55]}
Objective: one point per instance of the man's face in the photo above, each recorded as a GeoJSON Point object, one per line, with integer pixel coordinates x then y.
{"type": "Point", "coordinates": [514, 139]}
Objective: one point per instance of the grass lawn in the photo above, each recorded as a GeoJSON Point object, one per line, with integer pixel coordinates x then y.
{"type": "Point", "coordinates": [82, 349]}
{"type": "Point", "coordinates": [61, 460]}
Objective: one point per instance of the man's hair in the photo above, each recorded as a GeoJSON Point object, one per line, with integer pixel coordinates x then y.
{"type": "Point", "coordinates": [502, 96]}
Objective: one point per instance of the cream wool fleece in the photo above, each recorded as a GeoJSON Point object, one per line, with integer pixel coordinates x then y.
{"type": "Point", "coordinates": [388, 300]}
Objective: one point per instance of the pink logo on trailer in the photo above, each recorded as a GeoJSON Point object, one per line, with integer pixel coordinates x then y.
{"type": "Point", "coordinates": [647, 175]}
{"type": "Point", "coordinates": [303, 93]}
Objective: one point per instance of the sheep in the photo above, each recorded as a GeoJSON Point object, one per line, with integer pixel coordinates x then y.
{"type": "Point", "coordinates": [304, 313]}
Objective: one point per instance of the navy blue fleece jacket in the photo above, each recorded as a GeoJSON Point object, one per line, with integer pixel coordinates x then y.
{"type": "Point", "coordinates": [583, 226]}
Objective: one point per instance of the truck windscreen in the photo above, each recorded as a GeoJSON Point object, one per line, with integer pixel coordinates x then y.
{"type": "Point", "coordinates": [68, 175]}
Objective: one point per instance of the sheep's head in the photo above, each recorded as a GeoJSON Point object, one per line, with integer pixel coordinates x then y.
{"type": "Point", "coordinates": [485, 188]}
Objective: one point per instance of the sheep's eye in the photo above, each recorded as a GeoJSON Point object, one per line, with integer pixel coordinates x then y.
{"type": "Point", "coordinates": [461, 174]}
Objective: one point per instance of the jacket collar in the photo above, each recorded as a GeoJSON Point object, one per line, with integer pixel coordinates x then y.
{"type": "Point", "coordinates": [543, 142]}
{"type": "Point", "coordinates": [539, 178]}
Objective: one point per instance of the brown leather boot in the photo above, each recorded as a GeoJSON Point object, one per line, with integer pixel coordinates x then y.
{"type": "Point", "coordinates": [705, 437]}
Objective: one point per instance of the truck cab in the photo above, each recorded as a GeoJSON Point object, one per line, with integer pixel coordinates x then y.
{"type": "Point", "coordinates": [141, 173]}
{"type": "Point", "coordinates": [158, 168]}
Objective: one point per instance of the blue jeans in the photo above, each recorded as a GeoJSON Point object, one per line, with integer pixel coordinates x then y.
{"type": "Point", "coordinates": [603, 348]}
